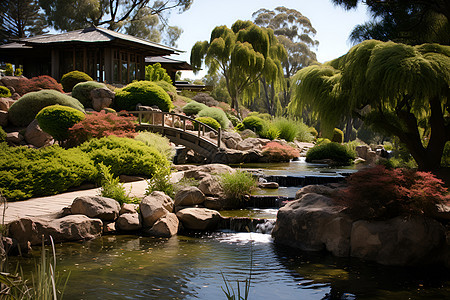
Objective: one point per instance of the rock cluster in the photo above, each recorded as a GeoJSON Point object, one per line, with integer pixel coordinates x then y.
{"type": "Point", "coordinates": [313, 222]}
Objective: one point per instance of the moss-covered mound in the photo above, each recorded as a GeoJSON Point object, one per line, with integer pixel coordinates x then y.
{"type": "Point", "coordinates": [144, 92]}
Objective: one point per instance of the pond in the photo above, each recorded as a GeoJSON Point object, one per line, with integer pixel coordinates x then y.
{"type": "Point", "coordinates": [183, 267]}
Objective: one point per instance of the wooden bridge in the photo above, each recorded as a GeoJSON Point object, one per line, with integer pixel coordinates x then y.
{"type": "Point", "coordinates": [175, 128]}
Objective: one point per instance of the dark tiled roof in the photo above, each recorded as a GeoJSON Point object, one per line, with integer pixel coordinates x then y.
{"type": "Point", "coordinates": [181, 65]}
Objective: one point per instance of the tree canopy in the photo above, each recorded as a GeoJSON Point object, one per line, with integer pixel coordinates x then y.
{"type": "Point", "coordinates": [243, 54]}
{"type": "Point", "coordinates": [400, 89]}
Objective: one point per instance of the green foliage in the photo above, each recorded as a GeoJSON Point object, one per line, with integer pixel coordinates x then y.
{"type": "Point", "coordinates": [26, 172]}
{"type": "Point", "coordinates": [254, 123]}
{"type": "Point", "coordinates": [161, 143]}
{"type": "Point", "coordinates": [368, 135]}
{"type": "Point", "coordinates": [156, 73]}
{"type": "Point", "coordinates": [168, 87]}
{"type": "Point", "coordinates": [160, 181]}
{"type": "Point", "coordinates": [18, 72]}
{"type": "Point", "coordinates": [304, 133]}
{"type": "Point", "coordinates": [193, 108]}
{"type": "Point", "coordinates": [2, 135]}
{"type": "Point", "coordinates": [338, 136]}
{"type": "Point", "coordinates": [57, 119]}
{"type": "Point", "coordinates": [313, 132]}
{"type": "Point", "coordinates": [240, 127]}
{"type": "Point", "coordinates": [264, 116]}
{"type": "Point", "coordinates": [111, 187]}
{"type": "Point", "coordinates": [208, 121]}
{"type": "Point", "coordinates": [4, 92]}
{"type": "Point", "coordinates": [69, 80]}
{"type": "Point", "coordinates": [289, 129]}
{"type": "Point", "coordinates": [124, 156]}
{"type": "Point", "coordinates": [217, 114]}
{"type": "Point", "coordinates": [24, 110]}
{"type": "Point", "coordinates": [144, 92]}
{"type": "Point", "coordinates": [236, 185]}
{"type": "Point", "coordinates": [338, 153]}
{"type": "Point", "coordinates": [269, 131]}
{"type": "Point", "coordinates": [82, 91]}
{"type": "Point", "coordinates": [9, 70]}
{"type": "Point", "coordinates": [445, 161]}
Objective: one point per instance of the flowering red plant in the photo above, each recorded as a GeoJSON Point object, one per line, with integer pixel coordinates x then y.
{"type": "Point", "coordinates": [277, 152]}
{"type": "Point", "coordinates": [101, 124]}
{"type": "Point", "coordinates": [35, 84]}
{"type": "Point", "coordinates": [380, 193]}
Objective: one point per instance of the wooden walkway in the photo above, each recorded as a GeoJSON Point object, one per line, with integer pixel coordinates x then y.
{"type": "Point", "coordinates": [51, 204]}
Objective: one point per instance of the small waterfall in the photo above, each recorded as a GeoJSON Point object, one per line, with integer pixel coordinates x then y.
{"type": "Point", "coordinates": [287, 181]}
{"type": "Point", "coordinates": [242, 224]}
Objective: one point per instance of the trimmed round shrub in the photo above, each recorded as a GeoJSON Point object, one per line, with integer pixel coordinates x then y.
{"type": "Point", "coordinates": [4, 92]}
{"type": "Point", "coordinates": [208, 121]}
{"type": "Point", "coordinates": [69, 80]}
{"type": "Point", "coordinates": [144, 92]}
{"type": "Point", "coordinates": [253, 123]}
{"type": "Point", "coordinates": [168, 87]}
{"type": "Point", "coordinates": [338, 136]}
{"type": "Point", "coordinates": [2, 135]}
{"type": "Point", "coordinates": [57, 119]}
{"type": "Point", "coordinates": [125, 156]}
{"type": "Point", "coordinates": [217, 114]}
{"type": "Point", "coordinates": [24, 110]}
{"type": "Point", "coordinates": [338, 153]}
{"type": "Point", "coordinates": [82, 91]}
{"type": "Point", "coordinates": [193, 108]}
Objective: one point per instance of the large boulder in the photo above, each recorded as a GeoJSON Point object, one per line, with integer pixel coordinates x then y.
{"type": "Point", "coordinates": [167, 226]}
{"type": "Point", "coordinates": [399, 241]}
{"type": "Point", "coordinates": [35, 136]}
{"type": "Point", "coordinates": [231, 139]}
{"type": "Point", "coordinates": [129, 222]}
{"type": "Point", "coordinates": [232, 156]}
{"type": "Point", "coordinates": [313, 223]}
{"type": "Point", "coordinates": [68, 228]}
{"type": "Point", "coordinates": [316, 189]}
{"type": "Point", "coordinates": [189, 196]}
{"type": "Point", "coordinates": [154, 207]}
{"type": "Point", "coordinates": [4, 104]}
{"type": "Point", "coordinates": [12, 81]}
{"type": "Point", "coordinates": [101, 98]}
{"type": "Point", "coordinates": [3, 118]}
{"type": "Point", "coordinates": [252, 143]}
{"type": "Point", "coordinates": [14, 138]}
{"type": "Point", "coordinates": [199, 218]}
{"type": "Point", "coordinates": [103, 208]}
{"type": "Point", "coordinates": [210, 186]}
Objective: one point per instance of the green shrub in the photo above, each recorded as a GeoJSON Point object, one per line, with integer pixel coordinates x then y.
{"type": "Point", "coordinates": [157, 73]}
{"type": "Point", "coordinates": [9, 70]}
{"type": "Point", "coordinates": [240, 127]}
{"type": "Point", "coordinates": [288, 129]}
{"type": "Point", "coordinates": [313, 132]}
{"type": "Point", "coordinates": [2, 134]}
{"type": "Point", "coordinates": [124, 156]}
{"type": "Point", "coordinates": [69, 80]}
{"type": "Point", "coordinates": [168, 87]}
{"type": "Point", "coordinates": [234, 120]}
{"type": "Point", "coordinates": [144, 92]}
{"type": "Point", "coordinates": [111, 187]}
{"type": "Point", "coordinates": [4, 92]}
{"type": "Point", "coordinates": [338, 136]}
{"type": "Point", "coordinates": [160, 181]}
{"type": "Point", "coordinates": [161, 143]}
{"type": "Point", "coordinates": [18, 72]}
{"type": "Point", "coordinates": [57, 119]}
{"type": "Point", "coordinates": [24, 110]}
{"type": "Point", "coordinates": [336, 152]}
{"type": "Point", "coordinates": [82, 91]}
{"type": "Point", "coordinates": [193, 108]}
{"type": "Point", "coordinates": [270, 131]}
{"type": "Point", "coordinates": [236, 185]}
{"type": "Point", "coordinates": [217, 114]}
{"type": "Point", "coordinates": [264, 116]}
{"type": "Point", "coordinates": [304, 133]}
{"type": "Point", "coordinates": [445, 160]}
{"type": "Point", "coordinates": [108, 110]}
{"type": "Point", "coordinates": [254, 123]}
{"type": "Point", "coordinates": [26, 172]}
{"type": "Point", "coordinates": [208, 121]}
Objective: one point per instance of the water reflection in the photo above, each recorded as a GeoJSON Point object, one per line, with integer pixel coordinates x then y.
{"type": "Point", "coordinates": [182, 267]}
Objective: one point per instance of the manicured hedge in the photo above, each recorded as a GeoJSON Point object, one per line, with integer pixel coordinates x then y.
{"type": "Point", "coordinates": [24, 110]}
{"type": "Point", "coordinates": [144, 92]}
{"type": "Point", "coordinates": [193, 108]}
{"type": "Point", "coordinates": [217, 114]}
{"type": "Point", "coordinates": [254, 123]}
{"type": "Point", "coordinates": [208, 121]}
{"type": "Point", "coordinates": [69, 80]}
{"type": "Point", "coordinates": [82, 91]}
{"type": "Point", "coordinates": [57, 119]}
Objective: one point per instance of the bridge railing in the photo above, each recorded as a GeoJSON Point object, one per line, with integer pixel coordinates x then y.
{"type": "Point", "coordinates": [158, 119]}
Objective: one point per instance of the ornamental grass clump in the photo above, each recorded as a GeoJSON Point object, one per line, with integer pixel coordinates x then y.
{"type": "Point", "coordinates": [161, 143]}
{"type": "Point", "coordinates": [276, 152]}
{"type": "Point", "coordinates": [102, 124]}
{"type": "Point", "coordinates": [288, 129]}
{"type": "Point", "coordinates": [237, 185]}
{"type": "Point", "coordinates": [379, 193]}
{"type": "Point", "coordinates": [339, 154]}
{"type": "Point", "coordinates": [111, 187]}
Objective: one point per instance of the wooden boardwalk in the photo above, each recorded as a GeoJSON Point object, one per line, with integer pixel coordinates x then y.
{"type": "Point", "coordinates": [52, 204]}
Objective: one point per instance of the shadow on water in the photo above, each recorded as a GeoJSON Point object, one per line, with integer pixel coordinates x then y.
{"type": "Point", "coordinates": [189, 267]}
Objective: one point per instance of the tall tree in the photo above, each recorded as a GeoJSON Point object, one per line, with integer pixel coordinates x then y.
{"type": "Point", "coordinates": [401, 90]}
{"type": "Point", "coordinates": [242, 54]}
{"type": "Point", "coordinates": [19, 19]}
{"type": "Point", "coordinates": [296, 33]}
{"type": "Point", "coordinates": [131, 16]}
{"type": "Point", "coordinates": [406, 21]}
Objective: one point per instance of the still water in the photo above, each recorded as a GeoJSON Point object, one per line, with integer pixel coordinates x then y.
{"type": "Point", "coordinates": [132, 267]}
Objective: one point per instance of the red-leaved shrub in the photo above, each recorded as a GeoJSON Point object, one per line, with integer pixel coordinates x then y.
{"type": "Point", "coordinates": [380, 193]}
{"type": "Point", "coordinates": [101, 124]}
{"type": "Point", "coordinates": [277, 152]}
{"type": "Point", "coordinates": [35, 84]}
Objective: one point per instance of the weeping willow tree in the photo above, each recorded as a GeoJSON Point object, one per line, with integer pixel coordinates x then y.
{"type": "Point", "coordinates": [400, 90]}
{"type": "Point", "coordinates": [243, 55]}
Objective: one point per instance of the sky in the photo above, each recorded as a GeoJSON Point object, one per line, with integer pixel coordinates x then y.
{"type": "Point", "coordinates": [332, 23]}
